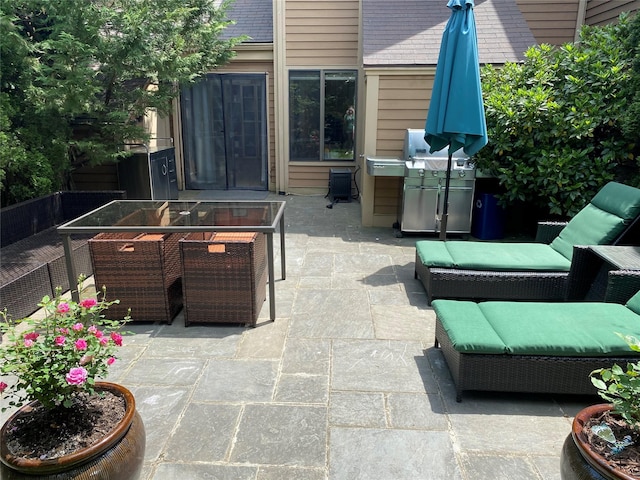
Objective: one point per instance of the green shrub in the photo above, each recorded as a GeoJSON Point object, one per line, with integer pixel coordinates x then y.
{"type": "Point", "coordinates": [555, 136]}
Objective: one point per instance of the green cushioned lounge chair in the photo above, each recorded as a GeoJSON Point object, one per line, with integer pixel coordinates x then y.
{"type": "Point", "coordinates": [528, 271]}
{"type": "Point", "coordinates": [533, 346]}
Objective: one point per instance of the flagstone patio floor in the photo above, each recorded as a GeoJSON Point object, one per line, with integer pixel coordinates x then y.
{"type": "Point", "coordinates": [345, 384]}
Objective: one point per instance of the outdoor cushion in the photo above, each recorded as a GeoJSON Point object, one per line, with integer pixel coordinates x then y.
{"type": "Point", "coordinates": [491, 256]}
{"type": "Point", "coordinates": [536, 328]}
{"type": "Point", "coordinates": [602, 220]}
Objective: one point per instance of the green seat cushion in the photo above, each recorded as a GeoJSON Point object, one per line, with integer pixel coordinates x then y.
{"type": "Point", "coordinates": [467, 327]}
{"type": "Point", "coordinates": [536, 328]}
{"type": "Point", "coordinates": [492, 256]}
{"type": "Point", "coordinates": [602, 220]}
{"type": "Point", "coordinates": [563, 329]}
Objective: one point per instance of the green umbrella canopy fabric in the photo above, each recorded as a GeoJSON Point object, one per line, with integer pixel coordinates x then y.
{"type": "Point", "coordinates": [456, 112]}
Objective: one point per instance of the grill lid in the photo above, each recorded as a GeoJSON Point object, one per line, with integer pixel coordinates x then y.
{"type": "Point", "coordinates": [417, 156]}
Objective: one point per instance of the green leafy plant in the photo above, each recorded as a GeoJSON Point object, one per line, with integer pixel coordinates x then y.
{"type": "Point", "coordinates": [77, 78]}
{"type": "Point", "coordinates": [54, 358]}
{"type": "Point", "coordinates": [553, 121]}
{"type": "Point", "coordinates": [621, 386]}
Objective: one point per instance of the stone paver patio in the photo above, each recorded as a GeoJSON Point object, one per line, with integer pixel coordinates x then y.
{"type": "Point", "coordinates": [344, 385]}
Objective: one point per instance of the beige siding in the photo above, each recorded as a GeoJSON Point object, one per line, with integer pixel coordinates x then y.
{"type": "Point", "coordinates": [402, 103]}
{"type": "Point", "coordinates": [388, 192]}
{"type": "Point", "coordinates": [312, 178]}
{"type": "Point", "coordinates": [261, 67]}
{"type": "Point", "coordinates": [551, 22]}
{"type": "Point", "coordinates": [600, 12]}
{"type": "Point", "coordinates": [321, 32]}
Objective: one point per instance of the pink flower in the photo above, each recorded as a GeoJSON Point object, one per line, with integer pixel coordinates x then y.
{"type": "Point", "coordinates": [117, 338]}
{"type": "Point", "coordinates": [81, 344]}
{"type": "Point", "coordinates": [59, 340]}
{"type": "Point", "coordinates": [31, 336]}
{"type": "Point", "coordinates": [92, 329]}
{"type": "Point", "coordinates": [3, 387]}
{"type": "Point", "coordinates": [28, 343]}
{"type": "Point", "coordinates": [104, 341]}
{"type": "Point", "coordinates": [77, 376]}
{"type": "Point", "coordinates": [98, 334]}
{"type": "Point", "coordinates": [63, 307]}
{"type": "Point", "coordinates": [111, 361]}
{"type": "Point", "coordinates": [88, 303]}
{"type": "Point", "coordinates": [64, 331]}
{"type": "Point", "coordinates": [78, 327]}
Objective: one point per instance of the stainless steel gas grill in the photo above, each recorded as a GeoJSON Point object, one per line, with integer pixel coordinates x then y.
{"type": "Point", "coordinates": [424, 188]}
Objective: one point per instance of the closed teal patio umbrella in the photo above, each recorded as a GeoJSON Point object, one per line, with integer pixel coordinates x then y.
{"type": "Point", "coordinates": [456, 112]}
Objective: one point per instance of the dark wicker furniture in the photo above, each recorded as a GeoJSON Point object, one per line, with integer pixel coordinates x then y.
{"type": "Point", "coordinates": [264, 217]}
{"type": "Point", "coordinates": [521, 373]}
{"type": "Point", "coordinates": [32, 253]}
{"type": "Point", "coordinates": [142, 271]}
{"type": "Point", "coordinates": [558, 374]}
{"type": "Point", "coordinates": [224, 277]}
{"type": "Point", "coordinates": [490, 284]}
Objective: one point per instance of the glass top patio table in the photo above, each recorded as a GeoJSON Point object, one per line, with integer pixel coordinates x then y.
{"type": "Point", "coordinates": [174, 216]}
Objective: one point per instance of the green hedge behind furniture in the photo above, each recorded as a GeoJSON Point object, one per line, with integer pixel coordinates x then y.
{"type": "Point", "coordinates": [555, 134]}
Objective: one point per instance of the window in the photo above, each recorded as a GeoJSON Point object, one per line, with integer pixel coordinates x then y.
{"type": "Point", "coordinates": [322, 117]}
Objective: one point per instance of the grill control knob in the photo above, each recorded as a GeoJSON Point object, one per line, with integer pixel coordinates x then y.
{"type": "Point", "coordinates": [462, 173]}
{"type": "Point", "coordinates": [421, 172]}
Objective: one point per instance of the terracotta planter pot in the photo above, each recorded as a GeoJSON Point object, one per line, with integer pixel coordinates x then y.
{"type": "Point", "coordinates": [577, 460]}
{"type": "Point", "coordinates": [118, 456]}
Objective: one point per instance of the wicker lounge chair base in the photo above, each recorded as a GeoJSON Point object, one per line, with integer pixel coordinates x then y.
{"type": "Point", "coordinates": [521, 373]}
{"type": "Point", "coordinates": [536, 347]}
{"type": "Point", "coordinates": [490, 285]}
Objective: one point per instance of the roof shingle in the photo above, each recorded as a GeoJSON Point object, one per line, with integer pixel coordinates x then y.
{"type": "Point", "coordinates": [409, 32]}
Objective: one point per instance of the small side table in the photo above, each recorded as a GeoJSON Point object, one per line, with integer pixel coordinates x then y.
{"type": "Point", "coordinates": [618, 277]}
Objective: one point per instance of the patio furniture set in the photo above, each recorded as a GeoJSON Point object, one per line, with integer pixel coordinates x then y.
{"type": "Point", "coordinates": [211, 258]}
{"type": "Point", "coordinates": [538, 317]}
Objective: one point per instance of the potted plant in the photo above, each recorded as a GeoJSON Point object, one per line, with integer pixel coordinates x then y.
{"type": "Point", "coordinates": [67, 424]}
{"type": "Point", "coordinates": [605, 439]}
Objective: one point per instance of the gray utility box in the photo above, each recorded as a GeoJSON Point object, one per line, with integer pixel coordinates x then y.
{"type": "Point", "coordinates": [149, 174]}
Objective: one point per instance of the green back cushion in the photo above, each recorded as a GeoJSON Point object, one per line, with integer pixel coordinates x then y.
{"type": "Point", "coordinates": [634, 303]}
{"type": "Point", "coordinates": [491, 256]}
{"type": "Point", "coordinates": [535, 328]}
{"type": "Point", "coordinates": [602, 220]}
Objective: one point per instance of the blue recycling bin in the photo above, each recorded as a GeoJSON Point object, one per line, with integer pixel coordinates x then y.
{"type": "Point", "coordinates": [488, 218]}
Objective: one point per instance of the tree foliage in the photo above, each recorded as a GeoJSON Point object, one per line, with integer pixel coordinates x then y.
{"type": "Point", "coordinates": [554, 121]}
{"type": "Point", "coordinates": [77, 76]}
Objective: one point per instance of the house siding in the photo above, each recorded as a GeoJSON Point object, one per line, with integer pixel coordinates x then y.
{"type": "Point", "coordinates": [552, 22]}
{"type": "Point", "coordinates": [319, 34]}
{"type": "Point", "coordinates": [602, 12]}
{"type": "Point", "coordinates": [402, 104]}
{"type": "Point", "coordinates": [322, 32]}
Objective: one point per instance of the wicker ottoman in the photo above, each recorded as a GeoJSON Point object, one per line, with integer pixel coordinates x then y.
{"type": "Point", "coordinates": [142, 271]}
{"type": "Point", "coordinates": [223, 277]}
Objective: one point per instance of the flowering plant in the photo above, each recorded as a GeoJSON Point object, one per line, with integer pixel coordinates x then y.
{"type": "Point", "coordinates": [54, 358]}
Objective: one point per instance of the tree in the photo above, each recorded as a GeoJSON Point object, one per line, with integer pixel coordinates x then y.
{"type": "Point", "coordinates": [553, 121]}
{"type": "Point", "coordinates": [76, 77]}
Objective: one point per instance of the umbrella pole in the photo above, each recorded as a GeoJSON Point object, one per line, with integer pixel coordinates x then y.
{"type": "Point", "coordinates": [445, 208]}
